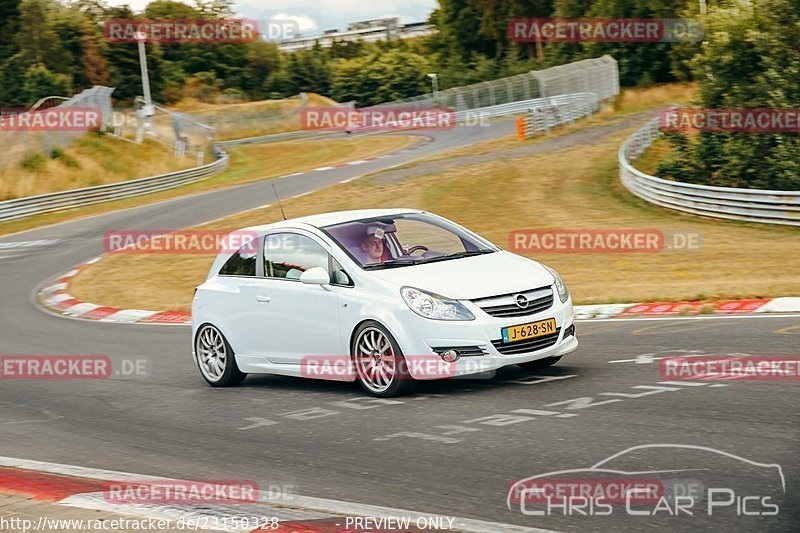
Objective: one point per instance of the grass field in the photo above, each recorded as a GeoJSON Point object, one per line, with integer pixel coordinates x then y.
{"type": "Point", "coordinates": [195, 106]}
{"type": "Point", "coordinates": [648, 162]}
{"type": "Point", "coordinates": [98, 159]}
{"type": "Point", "coordinates": [248, 163]}
{"type": "Point", "coordinates": [574, 188]}
{"type": "Point", "coordinates": [91, 160]}
{"type": "Point", "coordinates": [249, 119]}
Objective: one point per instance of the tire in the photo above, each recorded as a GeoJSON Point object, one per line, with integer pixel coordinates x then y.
{"type": "Point", "coordinates": [215, 358]}
{"type": "Point", "coordinates": [372, 343]}
{"type": "Point", "coordinates": [539, 364]}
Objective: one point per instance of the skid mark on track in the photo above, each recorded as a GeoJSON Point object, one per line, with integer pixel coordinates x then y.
{"type": "Point", "coordinates": [790, 330]}
{"type": "Point", "coordinates": [656, 329]}
{"type": "Point", "coordinates": [604, 327]}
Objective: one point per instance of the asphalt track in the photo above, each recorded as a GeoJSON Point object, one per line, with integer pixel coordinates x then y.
{"type": "Point", "coordinates": [453, 448]}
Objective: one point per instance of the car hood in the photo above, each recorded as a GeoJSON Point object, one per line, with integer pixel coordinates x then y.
{"type": "Point", "coordinates": [471, 277]}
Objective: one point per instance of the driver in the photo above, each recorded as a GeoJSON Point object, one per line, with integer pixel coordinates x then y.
{"type": "Point", "coordinates": [372, 246]}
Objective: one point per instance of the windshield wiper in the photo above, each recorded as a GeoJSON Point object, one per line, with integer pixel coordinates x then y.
{"type": "Point", "coordinates": [459, 255]}
{"type": "Point", "coordinates": [393, 263]}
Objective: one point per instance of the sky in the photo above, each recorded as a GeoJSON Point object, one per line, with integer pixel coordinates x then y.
{"type": "Point", "coordinates": [315, 16]}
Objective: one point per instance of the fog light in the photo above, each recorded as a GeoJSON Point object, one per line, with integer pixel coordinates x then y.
{"type": "Point", "coordinates": [450, 356]}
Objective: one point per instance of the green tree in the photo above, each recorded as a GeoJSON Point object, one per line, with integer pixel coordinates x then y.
{"type": "Point", "coordinates": [12, 72]}
{"type": "Point", "coordinates": [309, 71]}
{"type": "Point", "coordinates": [263, 59]}
{"type": "Point", "coordinates": [745, 63]}
{"type": "Point", "coordinates": [123, 62]}
{"type": "Point", "coordinates": [36, 36]}
{"type": "Point", "coordinates": [9, 27]}
{"type": "Point", "coordinates": [381, 77]}
{"type": "Point", "coordinates": [40, 82]}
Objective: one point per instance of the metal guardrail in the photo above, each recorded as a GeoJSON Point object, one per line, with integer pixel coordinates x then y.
{"type": "Point", "coordinates": [546, 113]}
{"type": "Point", "coordinates": [47, 203]}
{"type": "Point", "coordinates": [751, 205]}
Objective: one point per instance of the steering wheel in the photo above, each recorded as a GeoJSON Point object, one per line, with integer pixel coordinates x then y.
{"type": "Point", "coordinates": [416, 248]}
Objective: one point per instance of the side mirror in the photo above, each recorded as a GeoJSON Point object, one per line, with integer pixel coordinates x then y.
{"type": "Point", "coordinates": [315, 276]}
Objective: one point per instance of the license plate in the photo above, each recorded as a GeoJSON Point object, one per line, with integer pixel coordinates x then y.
{"type": "Point", "coordinates": [529, 330]}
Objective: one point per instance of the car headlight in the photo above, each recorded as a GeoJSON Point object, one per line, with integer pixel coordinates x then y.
{"type": "Point", "coordinates": [433, 306]}
{"type": "Point", "coordinates": [561, 287]}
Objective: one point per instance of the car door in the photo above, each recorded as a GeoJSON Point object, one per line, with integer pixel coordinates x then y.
{"type": "Point", "coordinates": [233, 300]}
{"type": "Point", "coordinates": [297, 319]}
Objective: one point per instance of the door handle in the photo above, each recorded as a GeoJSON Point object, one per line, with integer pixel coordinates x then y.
{"type": "Point", "coordinates": [262, 298]}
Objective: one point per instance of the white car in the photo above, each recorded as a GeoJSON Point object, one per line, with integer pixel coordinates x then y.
{"type": "Point", "coordinates": [382, 296]}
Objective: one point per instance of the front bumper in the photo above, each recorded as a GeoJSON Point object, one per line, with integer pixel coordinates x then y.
{"type": "Point", "coordinates": [422, 336]}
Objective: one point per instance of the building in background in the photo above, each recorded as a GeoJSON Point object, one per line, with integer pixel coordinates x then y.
{"type": "Point", "coordinates": [384, 29]}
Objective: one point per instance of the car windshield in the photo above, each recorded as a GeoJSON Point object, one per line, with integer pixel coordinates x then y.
{"type": "Point", "coordinates": [402, 240]}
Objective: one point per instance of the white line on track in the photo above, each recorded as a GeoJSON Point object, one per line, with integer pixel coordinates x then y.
{"type": "Point", "coordinates": [296, 501]}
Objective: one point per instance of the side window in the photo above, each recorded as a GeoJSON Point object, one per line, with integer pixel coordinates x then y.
{"type": "Point", "coordinates": [338, 275]}
{"type": "Point", "coordinates": [243, 262]}
{"type": "Point", "coordinates": [288, 255]}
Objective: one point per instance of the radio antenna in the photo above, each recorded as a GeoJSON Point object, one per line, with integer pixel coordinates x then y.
{"type": "Point", "coordinates": [279, 201]}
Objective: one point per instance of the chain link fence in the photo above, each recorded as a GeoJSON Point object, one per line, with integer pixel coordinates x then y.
{"type": "Point", "coordinates": [14, 145]}
{"type": "Point", "coordinates": [183, 133]}
{"type": "Point", "coordinates": [194, 134]}
{"type": "Point", "coordinates": [599, 76]}
{"type": "Point", "coordinates": [240, 123]}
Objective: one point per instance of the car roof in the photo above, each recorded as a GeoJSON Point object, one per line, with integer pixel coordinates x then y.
{"type": "Point", "coordinates": [336, 217]}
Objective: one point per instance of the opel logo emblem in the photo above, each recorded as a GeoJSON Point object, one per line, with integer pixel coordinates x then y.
{"type": "Point", "coordinates": [521, 300]}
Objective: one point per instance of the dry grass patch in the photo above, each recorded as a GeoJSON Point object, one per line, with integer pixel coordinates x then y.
{"type": "Point", "coordinates": [249, 119]}
{"type": "Point", "coordinates": [576, 188]}
{"type": "Point", "coordinates": [248, 163]}
{"type": "Point", "coordinates": [659, 151]}
{"type": "Point", "coordinates": [277, 159]}
{"type": "Point", "coordinates": [91, 160]}
{"type": "Point", "coordinates": [192, 105]}
{"type": "Point", "coordinates": [640, 98]}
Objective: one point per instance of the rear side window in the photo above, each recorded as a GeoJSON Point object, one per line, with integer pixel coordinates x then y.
{"type": "Point", "coordinates": [243, 262]}
{"type": "Point", "coordinates": [288, 255]}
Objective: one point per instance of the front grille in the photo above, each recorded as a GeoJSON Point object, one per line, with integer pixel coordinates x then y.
{"type": "Point", "coordinates": [531, 345]}
{"type": "Point", "coordinates": [569, 331]}
{"type": "Point", "coordinates": [505, 306]}
{"type": "Point", "coordinates": [464, 351]}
